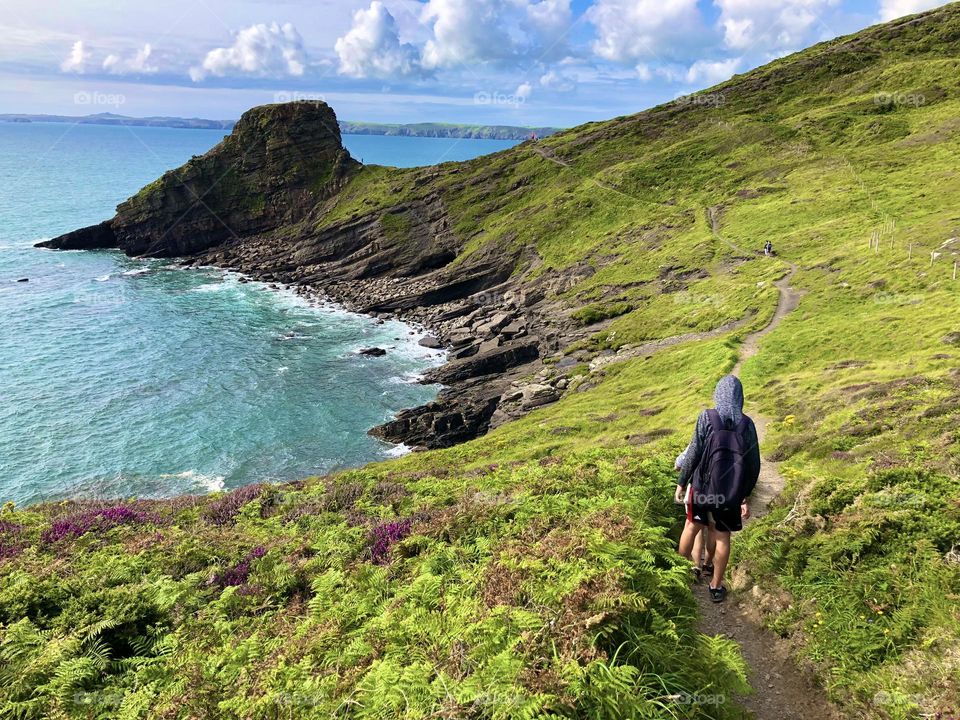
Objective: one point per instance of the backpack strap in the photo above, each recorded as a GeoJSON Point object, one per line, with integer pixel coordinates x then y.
{"type": "Point", "coordinates": [716, 422]}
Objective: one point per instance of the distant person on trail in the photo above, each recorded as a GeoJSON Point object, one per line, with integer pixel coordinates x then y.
{"type": "Point", "coordinates": [722, 466]}
{"type": "Point", "coordinates": [768, 248]}
{"type": "Point", "coordinates": [703, 540]}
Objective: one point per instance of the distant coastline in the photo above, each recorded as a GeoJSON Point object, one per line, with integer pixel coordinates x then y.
{"type": "Point", "coordinates": [435, 130]}
{"type": "Point", "coordinates": [446, 130]}
{"type": "Point", "coordinates": [114, 119]}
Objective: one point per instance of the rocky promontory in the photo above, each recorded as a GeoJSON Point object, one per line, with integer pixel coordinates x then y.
{"type": "Point", "coordinates": [278, 162]}
{"type": "Point", "coordinates": [264, 202]}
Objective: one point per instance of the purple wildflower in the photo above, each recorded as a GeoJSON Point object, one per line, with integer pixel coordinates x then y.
{"type": "Point", "coordinates": [383, 537]}
{"type": "Point", "coordinates": [9, 535]}
{"type": "Point", "coordinates": [224, 510]}
{"type": "Point", "coordinates": [238, 574]}
{"type": "Point", "coordinates": [99, 520]}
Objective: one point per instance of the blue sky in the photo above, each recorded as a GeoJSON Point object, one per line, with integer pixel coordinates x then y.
{"type": "Point", "coordinates": [529, 62]}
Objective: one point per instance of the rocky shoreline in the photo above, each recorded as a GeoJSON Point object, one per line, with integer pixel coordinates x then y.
{"type": "Point", "coordinates": [496, 341]}
{"type": "Point", "coordinates": [259, 202]}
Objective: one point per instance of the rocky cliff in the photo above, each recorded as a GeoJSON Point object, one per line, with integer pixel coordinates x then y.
{"type": "Point", "coordinates": [265, 201]}
{"type": "Point", "coordinates": [278, 162]}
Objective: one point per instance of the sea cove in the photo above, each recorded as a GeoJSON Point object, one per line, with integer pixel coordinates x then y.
{"type": "Point", "coordinates": [123, 377]}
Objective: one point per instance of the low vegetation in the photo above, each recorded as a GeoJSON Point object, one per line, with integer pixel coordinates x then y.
{"type": "Point", "coordinates": [531, 572]}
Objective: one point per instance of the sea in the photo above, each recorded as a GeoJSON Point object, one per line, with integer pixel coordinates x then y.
{"type": "Point", "coordinates": [122, 377]}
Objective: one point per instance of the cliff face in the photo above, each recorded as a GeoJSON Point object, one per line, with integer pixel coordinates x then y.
{"type": "Point", "coordinates": [276, 165]}
{"type": "Point", "coordinates": [266, 201]}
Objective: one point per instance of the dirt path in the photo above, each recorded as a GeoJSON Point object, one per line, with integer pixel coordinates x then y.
{"type": "Point", "coordinates": [782, 689]}
{"type": "Point", "coordinates": [548, 154]}
{"type": "Point", "coordinates": [631, 352]}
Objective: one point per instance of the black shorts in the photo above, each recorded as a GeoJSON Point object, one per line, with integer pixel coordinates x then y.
{"type": "Point", "coordinates": [725, 519]}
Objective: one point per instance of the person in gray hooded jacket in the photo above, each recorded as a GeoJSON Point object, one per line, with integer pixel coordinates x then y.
{"type": "Point", "coordinates": [723, 515]}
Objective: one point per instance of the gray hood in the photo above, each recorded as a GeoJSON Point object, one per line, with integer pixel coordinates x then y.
{"type": "Point", "coordinates": [728, 399]}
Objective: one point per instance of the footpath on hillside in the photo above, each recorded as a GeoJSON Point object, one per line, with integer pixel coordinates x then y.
{"type": "Point", "coordinates": [782, 689]}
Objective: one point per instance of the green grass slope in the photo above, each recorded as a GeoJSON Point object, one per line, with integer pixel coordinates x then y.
{"type": "Point", "coordinates": [531, 572]}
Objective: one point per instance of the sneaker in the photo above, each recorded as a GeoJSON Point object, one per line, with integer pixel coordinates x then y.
{"type": "Point", "coordinates": [696, 573]}
{"type": "Point", "coordinates": [718, 595]}
{"type": "Point", "coordinates": [708, 569]}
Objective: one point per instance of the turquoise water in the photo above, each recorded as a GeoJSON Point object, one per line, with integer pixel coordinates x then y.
{"type": "Point", "coordinates": [123, 377]}
{"type": "Point", "coordinates": [411, 152]}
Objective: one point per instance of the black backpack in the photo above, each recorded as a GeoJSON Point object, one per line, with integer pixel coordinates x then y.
{"type": "Point", "coordinates": [722, 473]}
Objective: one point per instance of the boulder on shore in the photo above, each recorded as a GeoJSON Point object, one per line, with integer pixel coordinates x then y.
{"type": "Point", "coordinates": [429, 341]}
{"type": "Point", "coordinates": [535, 395]}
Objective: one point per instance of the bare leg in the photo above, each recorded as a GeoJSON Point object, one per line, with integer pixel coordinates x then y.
{"type": "Point", "coordinates": [711, 535]}
{"type": "Point", "coordinates": [690, 532]}
{"type": "Point", "coordinates": [698, 548]}
{"type": "Point", "coordinates": [720, 558]}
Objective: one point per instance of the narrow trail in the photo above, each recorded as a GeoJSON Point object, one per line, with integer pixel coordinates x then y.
{"type": "Point", "coordinates": [631, 352]}
{"type": "Point", "coordinates": [782, 689]}
{"type": "Point", "coordinates": [548, 155]}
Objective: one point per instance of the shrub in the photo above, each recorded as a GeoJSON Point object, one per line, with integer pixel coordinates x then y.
{"type": "Point", "coordinates": [98, 521]}
{"type": "Point", "coordinates": [383, 537]}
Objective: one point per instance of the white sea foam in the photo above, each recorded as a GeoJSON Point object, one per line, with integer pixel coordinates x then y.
{"type": "Point", "coordinates": [211, 287]}
{"type": "Point", "coordinates": [138, 271]}
{"type": "Point", "coordinates": [210, 483]}
{"type": "Point", "coordinates": [397, 451]}
{"type": "Point", "coordinates": [103, 278]}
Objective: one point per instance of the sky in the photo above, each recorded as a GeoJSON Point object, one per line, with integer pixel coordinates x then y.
{"type": "Point", "coordinates": [515, 62]}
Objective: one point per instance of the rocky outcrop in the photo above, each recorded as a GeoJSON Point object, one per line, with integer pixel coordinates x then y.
{"type": "Point", "coordinates": [260, 203]}
{"type": "Point", "coordinates": [95, 237]}
{"type": "Point", "coordinates": [273, 169]}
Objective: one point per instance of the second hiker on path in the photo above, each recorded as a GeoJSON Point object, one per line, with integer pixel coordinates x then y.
{"type": "Point", "coordinates": [722, 463]}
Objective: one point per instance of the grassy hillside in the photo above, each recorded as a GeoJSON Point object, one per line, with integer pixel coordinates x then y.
{"type": "Point", "coordinates": [531, 572]}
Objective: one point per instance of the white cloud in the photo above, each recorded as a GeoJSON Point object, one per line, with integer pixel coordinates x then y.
{"type": "Point", "coordinates": [633, 30]}
{"type": "Point", "coordinates": [262, 50]}
{"type": "Point", "coordinates": [893, 9]}
{"type": "Point", "coordinates": [523, 91]}
{"type": "Point", "coordinates": [765, 25]}
{"type": "Point", "coordinates": [553, 80]}
{"type": "Point", "coordinates": [712, 71]}
{"type": "Point", "coordinates": [138, 64]}
{"type": "Point", "coordinates": [468, 31]}
{"type": "Point", "coordinates": [372, 47]}
{"type": "Point", "coordinates": [644, 72]}
{"type": "Point", "coordinates": [77, 60]}
{"type": "Point", "coordinates": [549, 21]}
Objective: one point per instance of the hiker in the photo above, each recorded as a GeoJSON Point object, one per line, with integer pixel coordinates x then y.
{"type": "Point", "coordinates": [768, 248]}
{"type": "Point", "coordinates": [703, 540]}
{"type": "Point", "coordinates": [722, 464]}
